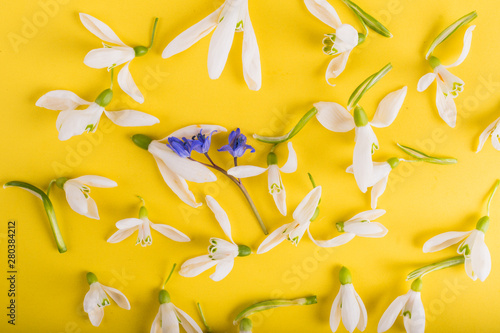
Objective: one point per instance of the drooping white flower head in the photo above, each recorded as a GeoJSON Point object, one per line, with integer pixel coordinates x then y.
{"type": "Point", "coordinates": [448, 85]}
{"type": "Point", "coordinates": [336, 118]}
{"type": "Point", "coordinates": [229, 18]}
{"type": "Point", "coordinates": [72, 121]}
{"type": "Point", "coordinates": [169, 318]}
{"type": "Point", "coordinates": [110, 56]}
{"type": "Point", "coordinates": [128, 226]}
{"type": "Point", "coordinates": [411, 308]}
{"type": "Point", "coordinates": [97, 298]}
{"type": "Point", "coordinates": [359, 225]}
{"type": "Point", "coordinates": [78, 193]}
{"type": "Point", "coordinates": [340, 43]}
{"type": "Point", "coordinates": [348, 306]}
{"type": "Point", "coordinates": [275, 184]}
{"type": "Point", "coordinates": [295, 230]}
{"type": "Point", "coordinates": [494, 130]}
{"type": "Point", "coordinates": [221, 253]}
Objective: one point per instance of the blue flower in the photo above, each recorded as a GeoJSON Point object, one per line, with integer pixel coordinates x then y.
{"type": "Point", "coordinates": [201, 142]}
{"type": "Point", "coordinates": [180, 147]}
{"type": "Point", "coordinates": [237, 144]}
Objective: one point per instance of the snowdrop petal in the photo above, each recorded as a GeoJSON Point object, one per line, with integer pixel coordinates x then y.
{"type": "Point", "coordinates": [192, 130]}
{"type": "Point", "coordinates": [494, 140]}
{"type": "Point", "coordinates": [100, 29]}
{"type": "Point", "coordinates": [350, 308]}
{"type": "Point", "coordinates": [280, 200]}
{"type": "Point", "coordinates": [244, 171]}
{"type": "Point", "coordinates": [368, 215]}
{"type": "Point", "coordinates": [91, 209]}
{"type": "Point", "coordinates": [118, 297]}
{"type": "Point", "coordinates": [222, 269]}
{"type": "Point", "coordinates": [220, 216]}
{"type": "Point", "coordinates": [126, 82]}
{"type": "Point", "coordinates": [335, 312]}
{"type": "Point", "coordinates": [480, 257]}
{"type": "Point", "coordinates": [425, 81]}
{"type": "Point", "coordinates": [363, 318]}
{"type": "Point", "coordinates": [189, 37]}
{"type": "Point", "coordinates": [334, 117]}
{"type": "Point", "coordinates": [222, 39]}
{"type": "Point", "coordinates": [444, 240]}
{"type": "Point", "coordinates": [156, 327]}
{"type": "Point", "coordinates": [128, 223]}
{"type": "Point", "coordinates": [170, 232]}
{"type": "Point", "coordinates": [366, 229]}
{"type": "Point", "coordinates": [324, 12]}
{"type": "Point", "coordinates": [121, 234]}
{"type": "Point", "coordinates": [468, 269]}
{"type": "Point", "coordinates": [486, 133]}
{"type": "Point", "coordinates": [169, 321]}
{"type": "Point", "coordinates": [129, 118]}
{"type": "Point", "coordinates": [75, 122]}
{"type": "Point", "coordinates": [388, 108]}
{"type": "Point", "coordinates": [251, 56]}
{"type": "Point", "coordinates": [466, 47]}
{"type": "Point", "coordinates": [96, 181]}
{"type": "Point", "coordinates": [196, 266]}
{"type": "Point", "coordinates": [377, 190]}
{"type": "Point", "coordinates": [189, 325]}
{"type": "Point", "coordinates": [274, 238]}
{"type": "Point", "coordinates": [446, 108]}
{"type": "Point", "coordinates": [415, 323]}
{"type": "Point", "coordinates": [60, 100]}
{"type": "Point", "coordinates": [362, 157]}
{"type": "Point", "coordinates": [109, 57]}
{"type": "Point", "coordinates": [96, 315]}
{"type": "Point", "coordinates": [336, 241]}
{"type": "Point", "coordinates": [336, 66]}
{"type": "Point", "coordinates": [75, 197]}
{"type": "Point", "coordinates": [392, 312]}
{"type": "Point", "coordinates": [305, 210]}
{"type": "Point", "coordinates": [291, 163]}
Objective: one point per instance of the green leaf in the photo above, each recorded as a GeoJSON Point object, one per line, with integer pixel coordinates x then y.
{"type": "Point", "coordinates": [426, 158]}
{"type": "Point", "coordinates": [367, 19]}
{"type": "Point", "coordinates": [449, 31]}
{"type": "Point", "coordinates": [366, 85]}
{"type": "Point", "coordinates": [280, 139]}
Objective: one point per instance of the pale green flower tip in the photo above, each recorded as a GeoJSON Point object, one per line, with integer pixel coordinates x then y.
{"type": "Point", "coordinates": [361, 38]}
{"type": "Point", "coordinates": [483, 224]}
{"type": "Point", "coordinates": [272, 159]}
{"type": "Point", "coordinates": [143, 212]}
{"type": "Point", "coordinates": [360, 117]}
{"type": "Point", "coordinates": [393, 162]}
{"type": "Point", "coordinates": [61, 181]}
{"type": "Point", "coordinates": [91, 278]}
{"type": "Point", "coordinates": [244, 251]}
{"type": "Point", "coordinates": [104, 98]}
{"type": "Point", "coordinates": [434, 62]}
{"type": "Point", "coordinates": [311, 300]}
{"type": "Point", "coordinates": [340, 226]}
{"type": "Point", "coordinates": [246, 325]}
{"type": "Point", "coordinates": [345, 276]}
{"type": "Point", "coordinates": [416, 285]}
{"type": "Point", "coordinates": [142, 141]}
{"type": "Point", "coordinates": [164, 297]}
{"type": "Point", "coordinates": [140, 51]}
{"type": "Point", "coordinates": [315, 215]}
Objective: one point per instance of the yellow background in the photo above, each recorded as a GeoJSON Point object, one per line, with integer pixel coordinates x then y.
{"type": "Point", "coordinates": [421, 200]}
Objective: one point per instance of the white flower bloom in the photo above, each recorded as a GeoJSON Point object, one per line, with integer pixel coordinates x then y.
{"type": "Point", "coordinates": [340, 43]}
{"type": "Point", "coordinates": [348, 306]}
{"type": "Point", "coordinates": [359, 225]}
{"type": "Point", "coordinates": [276, 187]}
{"type": "Point", "coordinates": [71, 121]}
{"type": "Point", "coordinates": [97, 298]}
{"type": "Point", "coordinates": [448, 85]}
{"type": "Point", "coordinates": [111, 56]}
{"type": "Point", "coordinates": [221, 252]}
{"type": "Point", "coordinates": [476, 253]}
{"type": "Point", "coordinates": [78, 194]}
{"type": "Point", "coordinates": [295, 230]}
{"type": "Point", "coordinates": [336, 118]}
{"type": "Point", "coordinates": [128, 226]}
{"type": "Point", "coordinates": [494, 130]}
{"type": "Point", "coordinates": [169, 318]}
{"type": "Point", "coordinates": [230, 17]}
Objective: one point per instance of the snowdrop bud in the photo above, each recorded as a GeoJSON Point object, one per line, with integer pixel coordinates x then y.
{"type": "Point", "coordinates": [104, 98]}
{"type": "Point", "coordinates": [142, 141]}
{"type": "Point", "coordinates": [345, 276]}
{"type": "Point", "coordinates": [143, 212]}
{"type": "Point", "coordinates": [393, 162]}
{"type": "Point", "coordinates": [246, 325]}
{"type": "Point", "coordinates": [91, 278]}
{"type": "Point", "coordinates": [360, 117]}
{"type": "Point", "coordinates": [340, 226]}
{"type": "Point", "coordinates": [434, 62]}
{"type": "Point", "coordinates": [417, 285]}
{"type": "Point", "coordinates": [315, 215]}
{"type": "Point", "coordinates": [483, 224]}
{"type": "Point", "coordinates": [60, 182]}
{"type": "Point", "coordinates": [164, 297]}
{"type": "Point", "coordinates": [243, 251]}
{"type": "Point", "coordinates": [140, 51]}
{"type": "Point", "coordinates": [272, 159]}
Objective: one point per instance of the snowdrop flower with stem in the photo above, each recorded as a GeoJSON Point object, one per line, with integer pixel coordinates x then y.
{"type": "Point", "coordinates": [448, 85]}
{"type": "Point", "coordinates": [275, 184]}
{"type": "Point", "coordinates": [111, 56]}
{"type": "Point", "coordinates": [221, 253]}
{"type": "Point", "coordinates": [346, 37]}
{"type": "Point", "coordinates": [73, 121]}
{"type": "Point", "coordinates": [245, 326]}
{"type": "Point", "coordinates": [169, 316]}
{"type": "Point", "coordinates": [348, 306]}
{"type": "Point", "coordinates": [494, 130]}
{"type": "Point", "coordinates": [411, 308]}
{"type": "Point", "coordinates": [229, 18]}
{"type": "Point", "coordinates": [97, 299]}
{"type": "Point", "coordinates": [473, 248]}
{"type": "Point", "coordinates": [358, 225]}
{"type": "Point", "coordinates": [128, 226]}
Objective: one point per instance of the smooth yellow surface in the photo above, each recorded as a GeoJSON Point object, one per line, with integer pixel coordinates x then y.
{"type": "Point", "coordinates": [421, 200]}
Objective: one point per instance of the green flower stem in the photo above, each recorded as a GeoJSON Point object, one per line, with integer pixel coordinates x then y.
{"type": "Point", "coordinates": [422, 157]}
{"type": "Point", "coordinates": [275, 303]}
{"type": "Point", "coordinates": [207, 328]}
{"type": "Point", "coordinates": [495, 187]}
{"type": "Point", "coordinates": [367, 19]}
{"type": "Point", "coordinates": [358, 93]}
{"type": "Point", "coordinates": [450, 262]}
{"type": "Point", "coordinates": [153, 34]}
{"type": "Point", "coordinates": [50, 186]}
{"type": "Point", "coordinates": [49, 209]}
